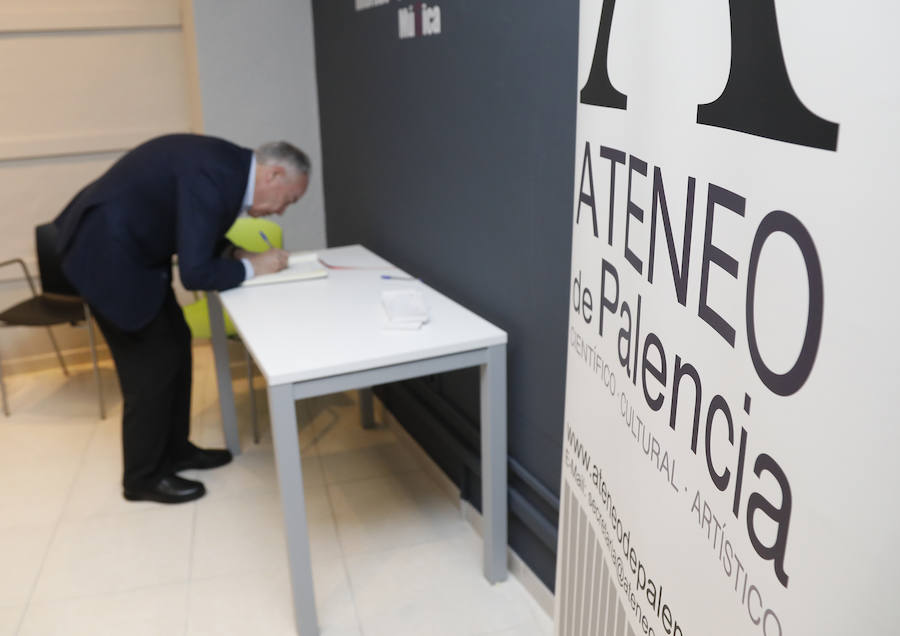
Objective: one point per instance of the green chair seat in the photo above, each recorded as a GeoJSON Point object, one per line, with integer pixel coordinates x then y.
{"type": "Point", "coordinates": [245, 234]}
{"type": "Point", "coordinates": [197, 317]}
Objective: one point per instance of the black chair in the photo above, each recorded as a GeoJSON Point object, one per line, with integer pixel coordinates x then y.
{"type": "Point", "coordinates": [59, 303]}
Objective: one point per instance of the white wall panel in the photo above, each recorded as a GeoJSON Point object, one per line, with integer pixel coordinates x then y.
{"type": "Point", "coordinates": [82, 82]}
{"type": "Point", "coordinates": [51, 15]}
{"type": "Point", "coordinates": [81, 92]}
{"type": "Point", "coordinates": [34, 191]}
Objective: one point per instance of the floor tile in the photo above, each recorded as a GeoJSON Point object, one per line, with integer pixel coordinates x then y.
{"type": "Point", "coordinates": [22, 550]}
{"type": "Point", "coordinates": [149, 611]}
{"type": "Point", "coordinates": [24, 442]}
{"type": "Point", "coordinates": [391, 512]}
{"type": "Point", "coordinates": [543, 622]}
{"type": "Point", "coordinates": [422, 589]}
{"type": "Point", "coordinates": [206, 426]}
{"type": "Point", "coordinates": [538, 622]}
{"type": "Point", "coordinates": [237, 535]}
{"type": "Point", "coordinates": [364, 463]}
{"type": "Point", "coordinates": [261, 603]}
{"type": "Point", "coordinates": [9, 620]}
{"type": "Point", "coordinates": [117, 553]}
{"type": "Point", "coordinates": [97, 491]}
{"type": "Point", "coordinates": [39, 463]}
{"type": "Point", "coordinates": [249, 603]}
{"type": "Point", "coordinates": [49, 396]}
{"type": "Point", "coordinates": [391, 553]}
{"type": "Point", "coordinates": [253, 472]}
{"type": "Point", "coordinates": [246, 534]}
{"type": "Point", "coordinates": [337, 422]}
{"type": "Point", "coordinates": [520, 630]}
{"type": "Point", "coordinates": [334, 600]}
{"type": "Point", "coordinates": [34, 494]}
{"type": "Point", "coordinates": [97, 487]}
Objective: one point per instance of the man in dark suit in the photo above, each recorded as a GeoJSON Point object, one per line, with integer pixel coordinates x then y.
{"type": "Point", "coordinates": [177, 194]}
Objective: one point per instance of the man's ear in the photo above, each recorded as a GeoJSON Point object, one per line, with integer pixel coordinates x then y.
{"type": "Point", "coordinates": [270, 172]}
{"type": "Point", "coordinates": [277, 171]}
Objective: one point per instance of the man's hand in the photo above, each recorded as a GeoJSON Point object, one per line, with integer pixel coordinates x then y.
{"type": "Point", "coordinates": [269, 262]}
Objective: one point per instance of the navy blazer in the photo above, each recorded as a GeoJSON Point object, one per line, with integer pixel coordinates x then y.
{"type": "Point", "coordinates": [176, 194]}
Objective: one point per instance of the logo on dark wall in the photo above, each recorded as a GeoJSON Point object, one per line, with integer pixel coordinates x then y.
{"type": "Point", "coordinates": [419, 19]}
{"type": "Point", "coordinates": [758, 98]}
{"type": "Point", "coordinates": [362, 5]}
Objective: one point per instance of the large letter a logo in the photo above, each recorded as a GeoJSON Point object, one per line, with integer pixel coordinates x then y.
{"type": "Point", "coordinates": [758, 98]}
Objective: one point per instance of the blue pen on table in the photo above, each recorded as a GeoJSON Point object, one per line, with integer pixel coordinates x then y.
{"type": "Point", "coordinates": [389, 277]}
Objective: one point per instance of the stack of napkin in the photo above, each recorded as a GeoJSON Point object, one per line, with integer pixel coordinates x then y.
{"type": "Point", "coordinates": [404, 308]}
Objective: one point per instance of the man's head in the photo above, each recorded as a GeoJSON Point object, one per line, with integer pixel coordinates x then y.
{"type": "Point", "coordinates": [282, 174]}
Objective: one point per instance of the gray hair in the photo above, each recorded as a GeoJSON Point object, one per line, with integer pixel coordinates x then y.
{"type": "Point", "coordinates": [284, 154]}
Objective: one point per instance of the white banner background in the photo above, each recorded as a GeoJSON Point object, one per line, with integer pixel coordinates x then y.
{"type": "Point", "coordinates": [836, 439]}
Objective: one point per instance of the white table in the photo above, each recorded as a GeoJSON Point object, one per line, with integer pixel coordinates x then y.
{"type": "Point", "coordinates": [326, 335]}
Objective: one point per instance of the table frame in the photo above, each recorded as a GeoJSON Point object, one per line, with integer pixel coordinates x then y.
{"type": "Point", "coordinates": [491, 361]}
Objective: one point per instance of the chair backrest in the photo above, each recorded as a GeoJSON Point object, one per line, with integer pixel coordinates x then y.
{"type": "Point", "coordinates": [53, 281]}
{"type": "Point", "coordinates": [245, 234]}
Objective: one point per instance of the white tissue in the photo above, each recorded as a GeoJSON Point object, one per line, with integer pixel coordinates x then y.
{"type": "Point", "coordinates": [404, 308]}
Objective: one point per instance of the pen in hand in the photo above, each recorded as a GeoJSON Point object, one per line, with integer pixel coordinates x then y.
{"type": "Point", "coordinates": [280, 255]}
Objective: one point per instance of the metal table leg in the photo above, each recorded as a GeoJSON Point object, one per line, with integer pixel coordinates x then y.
{"type": "Point", "coordinates": [366, 408]}
{"type": "Point", "coordinates": [223, 373]}
{"type": "Point", "coordinates": [493, 462]}
{"type": "Point", "coordinates": [293, 505]}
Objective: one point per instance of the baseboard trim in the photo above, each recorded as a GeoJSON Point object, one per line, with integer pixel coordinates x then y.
{"type": "Point", "coordinates": [517, 567]}
{"type": "Point", "coordinates": [77, 357]}
{"type": "Point", "coordinates": [46, 361]}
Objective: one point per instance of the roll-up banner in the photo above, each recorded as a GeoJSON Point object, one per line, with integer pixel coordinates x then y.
{"type": "Point", "coordinates": [731, 428]}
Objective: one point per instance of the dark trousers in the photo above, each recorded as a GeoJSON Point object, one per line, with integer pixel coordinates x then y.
{"type": "Point", "coordinates": [154, 369]}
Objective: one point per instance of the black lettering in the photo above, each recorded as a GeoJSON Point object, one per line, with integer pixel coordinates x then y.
{"type": "Point", "coordinates": [712, 254]}
{"type": "Point", "coordinates": [587, 198]}
{"type": "Point", "coordinates": [657, 372]}
{"type": "Point", "coordinates": [686, 369]}
{"type": "Point", "coordinates": [587, 304]}
{"type": "Point", "coordinates": [781, 516]}
{"type": "Point", "coordinates": [607, 303]}
{"type": "Point", "coordinates": [758, 98]}
{"type": "Point", "coordinates": [790, 382]}
{"type": "Point", "coordinates": [614, 156]}
{"type": "Point", "coordinates": [739, 479]}
{"type": "Point", "coordinates": [625, 338]}
{"type": "Point", "coordinates": [679, 274]}
{"type": "Point", "coordinates": [633, 210]}
{"type": "Point", "coordinates": [598, 90]}
{"type": "Point", "coordinates": [718, 405]}
{"type": "Point", "coordinates": [576, 292]}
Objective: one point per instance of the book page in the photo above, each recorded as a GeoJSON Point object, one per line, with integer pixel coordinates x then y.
{"type": "Point", "coordinates": [301, 266]}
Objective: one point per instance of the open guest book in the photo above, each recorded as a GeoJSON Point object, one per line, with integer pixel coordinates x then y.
{"type": "Point", "coordinates": [301, 266]}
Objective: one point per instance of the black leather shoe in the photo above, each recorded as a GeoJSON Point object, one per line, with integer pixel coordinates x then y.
{"type": "Point", "coordinates": [202, 458]}
{"type": "Point", "coordinates": [169, 489]}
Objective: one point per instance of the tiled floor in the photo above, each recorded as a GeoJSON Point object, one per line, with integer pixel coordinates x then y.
{"type": "Point", "coordinates": [391, 552]}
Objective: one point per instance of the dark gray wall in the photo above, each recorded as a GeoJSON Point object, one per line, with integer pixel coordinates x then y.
{"type": "Point", "coordinates": [452, 156]}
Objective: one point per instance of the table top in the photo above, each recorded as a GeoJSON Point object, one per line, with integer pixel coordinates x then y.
{"type": "Point", "coordinates": [329, 326]}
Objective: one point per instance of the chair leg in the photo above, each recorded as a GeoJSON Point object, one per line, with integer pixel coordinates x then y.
{"type": "Point", "coordinates": [58, 352]}
{"type": "Point", "coordinates": [253, 421]}
{"type": "Point", "coordinates": [3, 392]}
{"type": "Point", "coordinates": [90, 328]}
